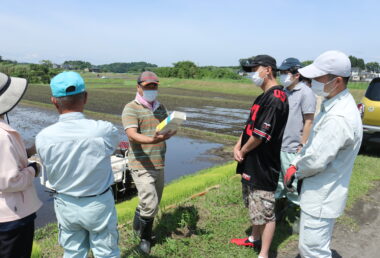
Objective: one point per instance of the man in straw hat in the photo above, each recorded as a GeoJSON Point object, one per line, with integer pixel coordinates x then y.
{"type": "Point", "coordinates": [325, 163]}
{"type": "Point", "coordinates": [18, 198]}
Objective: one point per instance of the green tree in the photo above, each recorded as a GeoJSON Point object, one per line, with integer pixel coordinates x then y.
{"type": "Point", "coordinates": [47, 63]}
{"type": "Point", "coordinates": [357, 62]}
{"type": "Point", "coordinates": [34, 73]}
{"type": "Point", "coordinates": [373, 67]}
{"type": "Point", "coordinates": [306, 62]}
{"type": "Point", "coordinates": [164, 71]}
{"type": "Point", "coordinates": [185, 69]}
{"type": "Point", "coordinates": [354, 61]}
{"type": "Point", "coordinates": [76, 65]}
{"type": "Point", "coordinates": [126, 67]}
{"type": "Point", "coordinates": [361, 63]}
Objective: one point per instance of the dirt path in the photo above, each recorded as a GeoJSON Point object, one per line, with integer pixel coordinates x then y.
{"type": "Point", "coordinates": [349, 243]}
{"type": "Point", "coordinates": [366, 241]}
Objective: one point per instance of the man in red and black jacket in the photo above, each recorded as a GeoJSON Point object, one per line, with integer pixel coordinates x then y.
{"type": "Point", "coordinates": [258, 152]}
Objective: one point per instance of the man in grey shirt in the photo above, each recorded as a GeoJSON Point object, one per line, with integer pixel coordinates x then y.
{"type": "Point", "coordinates": [302, 104]}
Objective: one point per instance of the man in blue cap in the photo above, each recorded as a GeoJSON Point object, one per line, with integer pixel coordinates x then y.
{"type": "Point", "coordinates": [76, 153]}
{"type": "Point", "coordinates": [300, 120]}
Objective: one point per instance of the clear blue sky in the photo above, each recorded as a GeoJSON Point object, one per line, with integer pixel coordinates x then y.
{"type": "Point", "coordinates": [207, 32]}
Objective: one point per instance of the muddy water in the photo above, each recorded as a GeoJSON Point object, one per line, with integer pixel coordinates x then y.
{"type": "Point", "coordinates": [184, 155]}
{"type": "Point", "coordinates": [218, 119]}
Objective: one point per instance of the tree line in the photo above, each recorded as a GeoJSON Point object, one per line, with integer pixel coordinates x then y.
{"type": "Point", "coordinates": [189, 70]}
{"type": "Point", "coordinates": [34, 73]}
{"type": "Point", "coordinates": [42, 72]}
{"type": "Point", "coordinates": [355, 62]}
{"type": "Point", "coordinates": [112, 68]}
{"type": "Point", "coordinates": [126, 67]}
{"type": "Point", "coordinates": [359, 62]}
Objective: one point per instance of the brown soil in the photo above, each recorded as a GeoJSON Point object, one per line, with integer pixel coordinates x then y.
{"type": "Point", "coordinates": [224, 153]}
{"type": "Point", "coordinates": [351, 242]}
{"type": "Point", "coordinates": [113, 100]}
{"type": "Point", "coordinates": [366, 241]}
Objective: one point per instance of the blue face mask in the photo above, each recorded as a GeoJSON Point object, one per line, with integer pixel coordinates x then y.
{"type": "Point", "coordinates": [150, 95]}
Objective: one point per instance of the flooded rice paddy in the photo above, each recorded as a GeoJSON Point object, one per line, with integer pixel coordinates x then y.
{"type": "Point", "coordinates": [219, 113]}
{"type": "Point", "coordinates": [184, 155]}
{"type": "Point", "coordinates": [218, 119]}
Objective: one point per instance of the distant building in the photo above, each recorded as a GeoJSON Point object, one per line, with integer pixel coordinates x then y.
{"type": "Point", "coordinates": [362, 75]}
{"type": "Point", "coordinates": [68, 67]}
{"type": "Point", "coordinates": [94, 70]}
{"type": "Point", "coordinates": [355, 71]}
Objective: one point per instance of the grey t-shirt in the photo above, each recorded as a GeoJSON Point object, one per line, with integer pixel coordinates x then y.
{"type": "Point", "coordinates": [301, 101]}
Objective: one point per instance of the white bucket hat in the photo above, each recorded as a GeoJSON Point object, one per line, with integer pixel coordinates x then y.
{"type": "Point", "coordinates": [11, 91]}
{"type": "Point", "coordinates": [330, 62]}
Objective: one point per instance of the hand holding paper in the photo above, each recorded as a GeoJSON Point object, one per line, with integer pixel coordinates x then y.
{"type": "Point", "coordinates": [171, 123]}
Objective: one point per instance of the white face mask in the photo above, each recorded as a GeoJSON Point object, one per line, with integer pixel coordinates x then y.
{"type": "Point", "coordinates": [286, 80]}
{"type": "Point", "coordinates": [150, 95]}
{"type": "Point", "coordinates": [319, 88]}
{"type": "Point", "coordinates": [256, 79]}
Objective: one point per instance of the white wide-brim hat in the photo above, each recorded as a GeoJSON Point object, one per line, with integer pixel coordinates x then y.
{"type": "Point", "coordinates": [11, 91]}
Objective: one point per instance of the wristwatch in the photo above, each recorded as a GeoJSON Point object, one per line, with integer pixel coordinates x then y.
{"type": "Point", "coordinates": [36, 170]}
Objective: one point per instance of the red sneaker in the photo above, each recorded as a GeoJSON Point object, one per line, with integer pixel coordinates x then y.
{"type": "Point", "coordinates": [242, 242]}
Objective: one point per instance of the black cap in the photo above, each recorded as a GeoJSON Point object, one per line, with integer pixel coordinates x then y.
{"type": "Point", "coordinates": [290, 62]}
{"type": "Point", "coordinates": [263, 60]}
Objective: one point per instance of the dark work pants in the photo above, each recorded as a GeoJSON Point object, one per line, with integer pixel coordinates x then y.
{"type": "Point", "coordinates": [17, 243]}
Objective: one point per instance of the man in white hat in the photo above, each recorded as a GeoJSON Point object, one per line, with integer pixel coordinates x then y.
{"type": "Point", "coordinates": [325, 163]}
{"type": "Point", "coordinates": [18, 198]}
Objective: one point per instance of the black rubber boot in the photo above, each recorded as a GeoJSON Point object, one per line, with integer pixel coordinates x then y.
{"type": "Point", "coordinates": [136, 223]}
{"type": "Point", "coordinates": [146, 226]}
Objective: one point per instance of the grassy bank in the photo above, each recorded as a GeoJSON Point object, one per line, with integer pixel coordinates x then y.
{"type": "Point", "coordinates": [174, 193]}
{"type": "Point", "coordinates": [181, 189]}
{"type": "Point", "coordinates": [202, 227]}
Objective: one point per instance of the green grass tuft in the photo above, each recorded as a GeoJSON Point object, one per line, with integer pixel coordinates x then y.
{"type": "Point", "coordinates": [181, 188]}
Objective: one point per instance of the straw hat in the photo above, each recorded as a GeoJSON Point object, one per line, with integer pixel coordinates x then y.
{"type": "Point", "coordinates": [11, 91]}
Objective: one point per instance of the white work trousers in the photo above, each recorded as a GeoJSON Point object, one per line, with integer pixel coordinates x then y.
{"type": "Point", "coordinates": [315, 236]}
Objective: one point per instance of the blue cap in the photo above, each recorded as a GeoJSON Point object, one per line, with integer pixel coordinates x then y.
{"type": "Point", "coordinates": [61, 84]}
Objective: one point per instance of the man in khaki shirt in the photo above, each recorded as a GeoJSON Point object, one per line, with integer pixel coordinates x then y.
{"type": "Point", "coordinates": [146, 156]}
